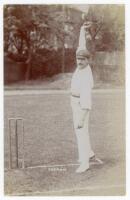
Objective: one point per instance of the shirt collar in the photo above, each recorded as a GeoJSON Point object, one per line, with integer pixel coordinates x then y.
{"type": "Point", "coordinates": [87, 68]}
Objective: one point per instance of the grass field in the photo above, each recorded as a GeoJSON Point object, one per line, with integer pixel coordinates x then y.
{"type": "Point", "coordinates": [50, 140]}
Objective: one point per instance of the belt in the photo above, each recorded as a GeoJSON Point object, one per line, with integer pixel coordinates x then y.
{"type": "Point", "coordinates": [73, 95]}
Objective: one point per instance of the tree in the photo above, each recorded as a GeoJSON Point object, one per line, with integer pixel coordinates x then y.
{"type": "Point", "coordinates": [25, 31]}
{"type": "Point", "coordinates": [110, 18]}
{"type": "Point", "coordinates": [29, 28]}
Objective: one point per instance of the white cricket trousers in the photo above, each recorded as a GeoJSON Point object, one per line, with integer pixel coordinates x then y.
{"type": "Point", "coordinates": [83, 141]}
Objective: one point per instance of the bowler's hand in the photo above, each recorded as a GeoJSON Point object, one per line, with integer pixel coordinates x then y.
{"type": "Point", "coordinates": [80, 124]}
{"type": "Point", "coordinates": [82, 118]}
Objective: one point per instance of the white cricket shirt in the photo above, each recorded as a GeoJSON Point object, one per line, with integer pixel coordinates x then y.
{"type": "Point", "coordinates": [81, 85]}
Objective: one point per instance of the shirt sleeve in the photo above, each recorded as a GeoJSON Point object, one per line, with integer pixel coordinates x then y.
{"type": "Point", "coordinates": [86, 93]}
{"type": "Point", "coordinates": [82, 40]}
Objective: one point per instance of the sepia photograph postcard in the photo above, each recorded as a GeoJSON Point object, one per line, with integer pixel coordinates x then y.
{"type": "Point", "coordinates": [64, 99]}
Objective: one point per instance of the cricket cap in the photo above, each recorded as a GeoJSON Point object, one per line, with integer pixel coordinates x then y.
{"type": "Point", "coordinates": [83, 54]}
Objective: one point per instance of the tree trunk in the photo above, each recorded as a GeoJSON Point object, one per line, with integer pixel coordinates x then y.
{"type": "Point", "coordinates": [63, 59]}
{"type": "Point", "coordinates": [29, 67]}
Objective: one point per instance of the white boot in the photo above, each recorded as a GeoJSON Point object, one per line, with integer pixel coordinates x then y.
{"type": "Point", "coordinates": [82, 168]}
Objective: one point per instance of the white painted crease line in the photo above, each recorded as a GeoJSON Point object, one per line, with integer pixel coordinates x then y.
{"type": "Point", "coordinates": [49, 166]}
{"type": "Point", "coordinates": [53, 166]}
{"type": "Point", "coordinates": [63, 165]}
{"type": "Point", "coordinates": [89, 188]}
{"type": "Point", "coordinates": [44, 166]}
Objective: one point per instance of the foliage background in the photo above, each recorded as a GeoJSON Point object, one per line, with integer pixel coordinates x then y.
{"type": "Point", "coordinates": [41, 40]}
